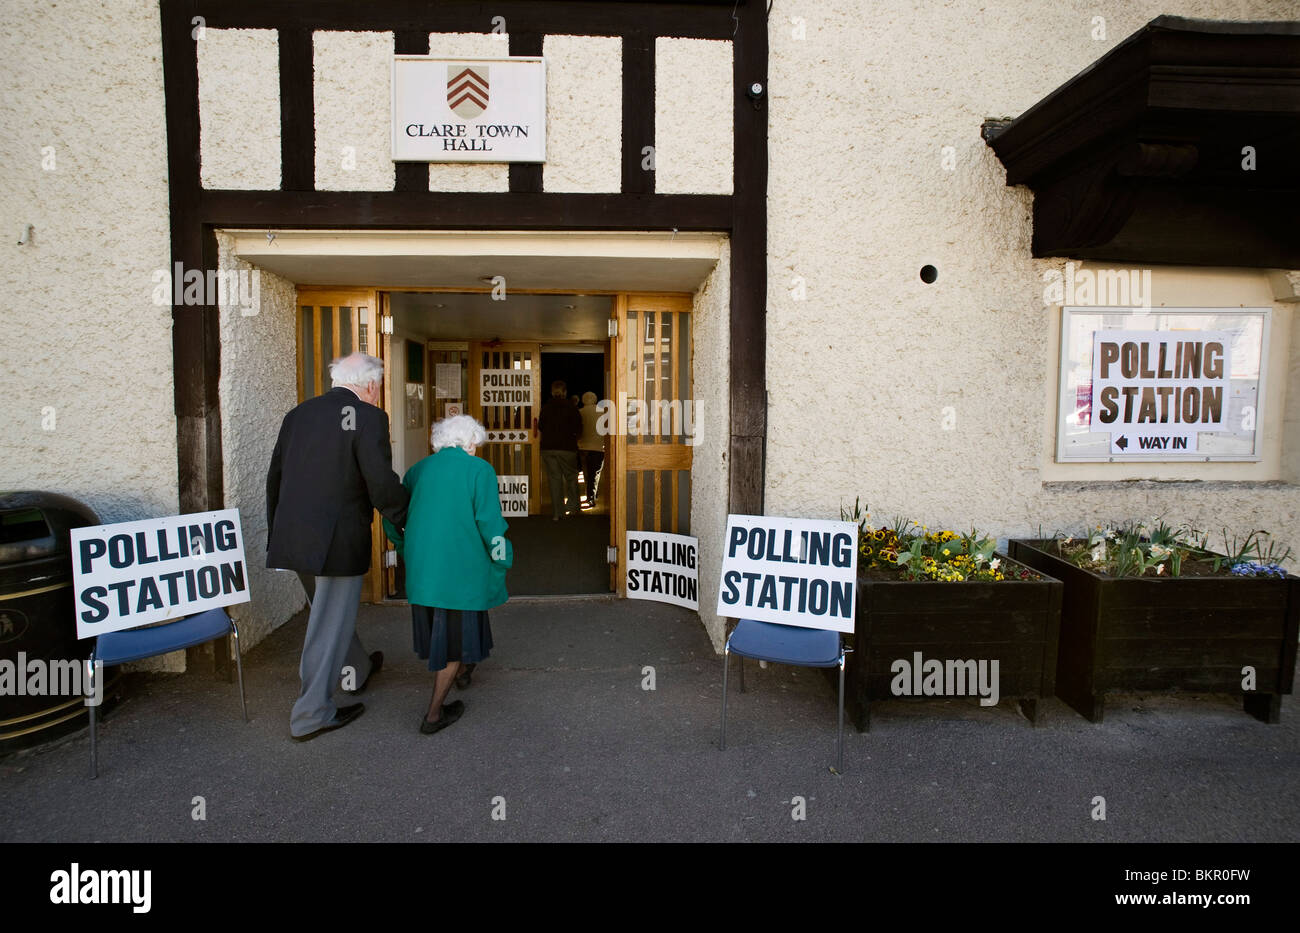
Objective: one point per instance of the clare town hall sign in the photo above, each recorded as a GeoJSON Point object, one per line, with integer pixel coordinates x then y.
{"type": "Point", "coordinates": [469, 110]}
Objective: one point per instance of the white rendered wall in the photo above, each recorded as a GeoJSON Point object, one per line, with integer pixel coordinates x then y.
{"type": "Point", "coordinates": [88, 394]}
{"type": "Point", "coordinates": [863, 102]}
{"type": "Point", "coordinates": [239, 108]}
{"type": "Point", "coordinates": [710, 475]}
{"type": "Point", "coordinates": [258, 386]}
{"type": "Point", "coordinates": [353, 97]}
{"type": "Point", "coordinates": [693, 116]}
{"type": "Point", "coordinates": [584, 113]}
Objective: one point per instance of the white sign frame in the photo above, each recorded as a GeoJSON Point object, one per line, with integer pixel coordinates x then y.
{"type": "Point", "coordinates": [410, 149]}
{"type": "Point", "coordinates": [1076, 446]}
{"type": "Point", "coordinates": [790, 531]}
{"type": "Point", "coordinates": [638, 562]}
{"type": "Point", "coordinates": [160, 535]}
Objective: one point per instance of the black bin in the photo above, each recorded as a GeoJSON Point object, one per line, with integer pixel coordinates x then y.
{"type": "Point", "coordinates": [36, 616]}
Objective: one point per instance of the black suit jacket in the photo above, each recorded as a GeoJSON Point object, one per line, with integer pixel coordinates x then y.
{"type": "Point", "coordinates": [332, 466]}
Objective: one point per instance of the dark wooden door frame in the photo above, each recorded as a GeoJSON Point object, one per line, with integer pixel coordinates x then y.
{"type": "Point", "coordinates": [196, 213]}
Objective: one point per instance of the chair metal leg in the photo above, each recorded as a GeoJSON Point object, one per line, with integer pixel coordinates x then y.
{"type": "Point", "coordinates": [840, 766]}
{"type": "Point", "coordinates": [94, 760]}
{"type": "Point", "coordinates": [239, 666]}
{"type": "Point", "coordinates": [726, 658]}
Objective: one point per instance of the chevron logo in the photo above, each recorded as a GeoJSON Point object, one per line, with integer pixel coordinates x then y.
{"type": "Point", "coordinates": [467, 91]}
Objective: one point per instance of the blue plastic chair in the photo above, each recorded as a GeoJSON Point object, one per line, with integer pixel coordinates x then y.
{"type": "Point", "coordinates": [139, 643]}
{"type": "Point", "coordinates": [783, 644]}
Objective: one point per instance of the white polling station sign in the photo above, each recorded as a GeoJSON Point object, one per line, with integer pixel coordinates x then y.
{"type": "Point", "coordinates": [663, 567]}
{"type": "Point", "coordinates": [159, 569]}
{"type": "Point", "coordinates": [513, 492]}
{"type": "Point", "coordinates": [506, 386]}
{"type": "Point", "coordinates": [793, 571]}
{"type": "Point", "coordinates": [1164, 383]}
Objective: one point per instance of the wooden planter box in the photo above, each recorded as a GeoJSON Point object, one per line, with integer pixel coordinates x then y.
{"type": "Point", "coordinates": [1195, 634]}
{"type": "Point", "coordinates": [1012, 622]}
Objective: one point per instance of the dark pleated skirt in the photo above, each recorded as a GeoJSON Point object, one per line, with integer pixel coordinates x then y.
{"type": "Point", "coordinates": [445, 635]}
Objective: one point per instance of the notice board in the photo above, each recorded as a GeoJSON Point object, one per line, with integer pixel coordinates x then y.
{"type": "Point", "coordinates": [1161, 384]}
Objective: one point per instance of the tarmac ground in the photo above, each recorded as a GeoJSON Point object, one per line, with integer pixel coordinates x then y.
{"type": "Point", "coordinates": [562, 741]}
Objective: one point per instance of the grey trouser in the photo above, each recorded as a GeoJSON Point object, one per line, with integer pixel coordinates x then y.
{"type": "Point", "coordinates": [358, 658]}
{"type": "Point", "coordinates": [330, 645]}
{"type": "Point", "coordinates": [562, 474]}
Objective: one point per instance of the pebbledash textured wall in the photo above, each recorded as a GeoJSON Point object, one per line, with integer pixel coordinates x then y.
{"type": "Point", "coordinates": [863, 103]}
{"type": "Point", "coordinates": [710, 470]}
{"type": "Point", "coordinates": [258, 385]}
{"type": "Point", "coordinates": [88, 408]}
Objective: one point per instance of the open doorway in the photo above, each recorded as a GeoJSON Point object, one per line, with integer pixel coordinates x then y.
{"type": "Point", "coordinates": [446, 348]}
{"type": "Point", "coordinates": [495, 360]}
{"type": "Point", "coordinates": [570, 554]}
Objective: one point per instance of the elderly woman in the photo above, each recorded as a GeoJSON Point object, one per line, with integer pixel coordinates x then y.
{"type": "Point", "coordinates": [456, 556]}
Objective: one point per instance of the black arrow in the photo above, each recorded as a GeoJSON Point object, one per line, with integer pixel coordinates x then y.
{"type": "Point", "coordinates": [1122, 442]}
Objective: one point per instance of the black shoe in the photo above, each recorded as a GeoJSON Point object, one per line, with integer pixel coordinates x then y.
{"type": "Point", "coordinates": [450, 713]}
{"type": "Point", "coordinates": [376, 665]}
{"type": "Point", "coordinates": [463, 678]}
{"type": "Point", "coordinates": [342, 716]}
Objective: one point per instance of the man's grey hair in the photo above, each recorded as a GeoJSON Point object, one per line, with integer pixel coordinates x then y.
{"type": "Point", "coordinates": [357, 369]}
{"type": "Point", "coordinates": [461, 431]}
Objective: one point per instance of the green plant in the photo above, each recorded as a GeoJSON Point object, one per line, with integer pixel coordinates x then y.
{"type": "Point", "coordinates": [912, 550]}
{"type": "Point", "coordinates": [1136, 549]}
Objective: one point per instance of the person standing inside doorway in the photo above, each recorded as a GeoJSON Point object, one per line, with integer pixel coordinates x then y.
{"type": "Point", "coordinates": [591, 447]}
{"type": "Point", "coordinates": [331, 468]}
{"type": "Point", "coordinates": [560, 425]}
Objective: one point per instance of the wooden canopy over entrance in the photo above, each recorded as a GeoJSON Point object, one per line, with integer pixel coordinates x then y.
{"type": "Point", "coordinates": [1179, 146]}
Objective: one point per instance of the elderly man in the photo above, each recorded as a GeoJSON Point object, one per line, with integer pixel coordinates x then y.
{"type": "Point", "coordinates": [331, 468]}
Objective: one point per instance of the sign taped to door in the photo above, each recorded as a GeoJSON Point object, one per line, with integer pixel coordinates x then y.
{"type": "Point", "coordinates": [447, 377]}
{"type": "Point", "coordinates": [513, 491]}
{"type": "Point", "coordinates": [159, 569]}
{"type": "Point", "coordinates": [793, 571]}
{"type": "Point", "coordinates": [663, 567]}
{"type": "Point", "coordinates": [506, 386]}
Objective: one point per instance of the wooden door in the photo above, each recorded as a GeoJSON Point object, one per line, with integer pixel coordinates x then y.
{"type": "Point", "coordinates": [447, 392]}
{"type": "Point", "coordinates": [334, 322]}
{"type": "Point", "coordinates": [655, 418]}
{"type": "Point", "coordinates": [512, 448]}
{"type": "Point", "coordinates": [331, 323]}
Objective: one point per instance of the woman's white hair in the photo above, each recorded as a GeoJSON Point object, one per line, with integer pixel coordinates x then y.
{"type": "Point", "coordinates": [357, 369]}
{"type": "Point", "coordinates": [458, 431]}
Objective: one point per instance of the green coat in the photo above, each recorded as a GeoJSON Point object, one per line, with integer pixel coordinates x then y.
{"type": "Point", "coordinates": [453, 521]}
